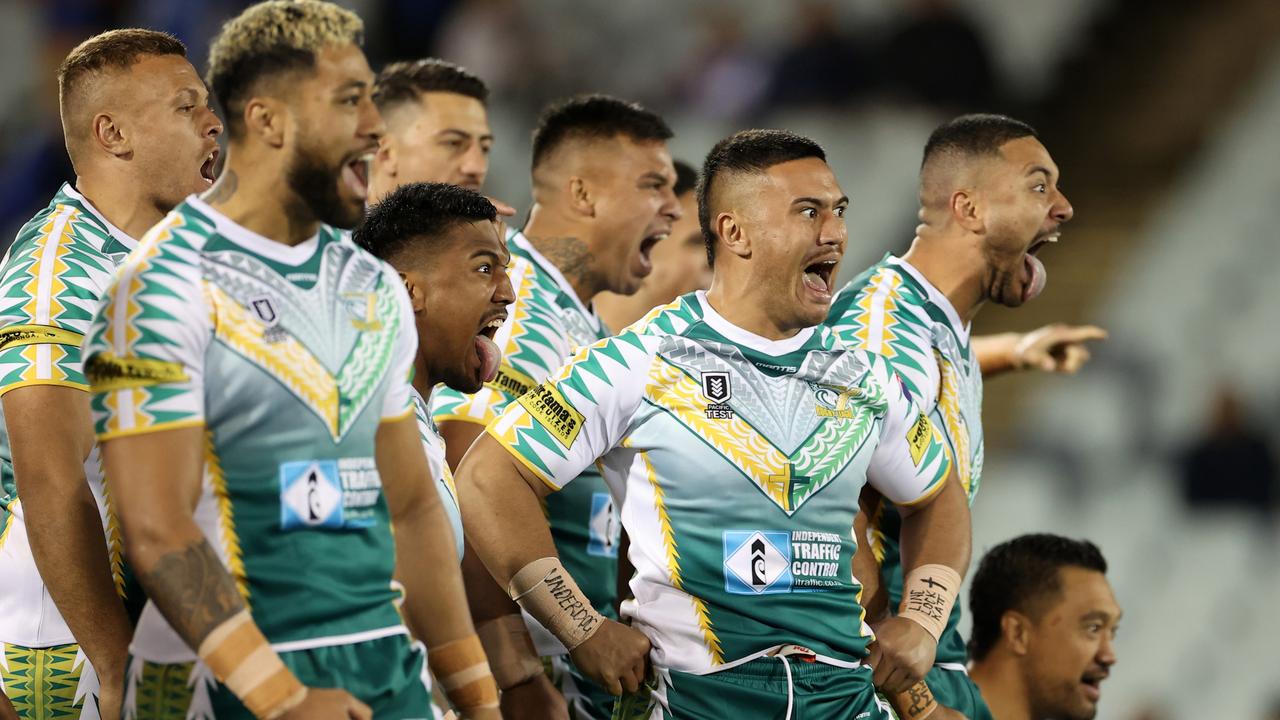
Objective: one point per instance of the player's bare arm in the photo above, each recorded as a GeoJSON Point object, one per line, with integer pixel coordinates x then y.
{"type": "Point", "coordinates": [155, 477]}
{"type": "Point", "coordinates": [500, 501]}
{"type": "Point", "coordinates": [1056, 348]}
{"type": "Point", "coordinates": [936, 538]}
{"type": "Point", "coordinates": [435, 603]}
{"type": "Point", "coordinates": [51, 435]}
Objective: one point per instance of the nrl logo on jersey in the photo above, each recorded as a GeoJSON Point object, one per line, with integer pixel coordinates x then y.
{"type": "Point", "coordinates": [264, 309]}
{"type": "Point", "coordinates": [833, 401]}
{"type": "Point", "coordinates": [716, 388]}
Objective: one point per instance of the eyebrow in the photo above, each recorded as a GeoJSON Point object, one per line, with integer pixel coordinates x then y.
{"type": "Point", "coordinates": [187, 92]}
{"type": "Point", "coordinates": [352, 85]}
{"type": "Point", "coordinates": [463, 133]}
{"type": "Point", "coordinates": [1039, 169]}
{"type": "Point", "coordinates": [844, 200]}
{"type": "Point", "coordinates": [482, 252]}
{"type": "Point", "coordinates": [1099, 615]}
{"type": "Point", "coordinates": [651, 175]}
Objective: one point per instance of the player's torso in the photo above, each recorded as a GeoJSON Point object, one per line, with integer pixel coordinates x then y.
{"type": "Point", "coordinates": [743, 475]}
{"type": "Point", "coordinates": [294, 378]}
{"type": "Point", "coordinates": [52, 278]}
{"type": "Point", "coordinates": [433, 446]}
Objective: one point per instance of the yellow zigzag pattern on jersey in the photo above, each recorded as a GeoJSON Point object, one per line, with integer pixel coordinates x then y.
{"type": "Point", "coordinates": [8, 523]}
{"type": "Point", "coordinates": [49, 252]}
{"type": "Point", "coordinates": [525, 285]}
{"type": "Point", "coordinates": [115, 550]}
{"type": "Point", "coordinates": [226, 517]}
{"type": "Point", "coordinates": [883, 302]}
{"type": "Point", "coordinates": [949, 407]}
{"type": "Point", "coordinates": [673, 561]}
{"type": "Point", "coordinates": [670, 388]}
{"type": "Point", "coordinates": [287, 359]}
{"type": "Point", "coordinates": [41, 682]}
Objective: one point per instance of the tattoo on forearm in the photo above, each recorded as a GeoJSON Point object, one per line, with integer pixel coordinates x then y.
{"type": "Point", "coordinates": [223, 189]}
{"type": "Point", "coordinates": [193, 591]}
{"type": "Point", "coordinates": [571, 256]}
{"type": "Point", "coordinates": [917, 702]}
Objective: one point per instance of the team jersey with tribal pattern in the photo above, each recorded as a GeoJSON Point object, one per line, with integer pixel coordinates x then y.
{"type": "Point", "coordinates": [740, 461]}
{"type": "Point", "coordinates": [287, 359]}
{"type": "Point", "coordinates": [433, 446]}
{"type": "Point", "coordinates": [892, 310]}
{"type": "Point", "coordinates": [52, 279]}
{"type": "Point", "coordinates": [545, 325]}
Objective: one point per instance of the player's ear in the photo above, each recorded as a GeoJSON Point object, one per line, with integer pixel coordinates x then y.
{"type": "Point", "coordinates": [109, 136]}
{"type": "Point", "coordinates": [1015, 628]}
{"type": "Point", "coordinates": [966, 210]}
{"type": "Point", "coordinates": [265, 118]}
{"type": "Point", "coordinates": [580, 198]}
{"type": "Point", "coordinates": [384, 159]}
{"type": "Point", "coordinates": [417, 298]}
{"type": "Point", "coordinates": [732, 235]}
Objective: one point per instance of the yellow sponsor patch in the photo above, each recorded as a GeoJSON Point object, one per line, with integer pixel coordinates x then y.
{"type": "Point", "coordinates": [19, 335]}
{"type": "Point", "coordinates": [511, 381]}
{"type": "Point", "coordinates": [107, 372]}
{"type": "Point", "coordinates": [918, 438]}
{"type": "Point", "coordinates": [545, 403]}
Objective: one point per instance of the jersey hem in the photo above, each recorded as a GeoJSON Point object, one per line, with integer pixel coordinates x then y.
{"type": "Point", "coordinates": [58, 383]}
{"type": "Point", "coordinates": [398, 418]}
{"type": "Point", "coordinates": [459, 418]}
{"type": "Point", "coordinates": [929, 493]}
{"type": "Point", "coordinates": [176, 425]}
{"type": "Point", "coordinates": [524, 461]}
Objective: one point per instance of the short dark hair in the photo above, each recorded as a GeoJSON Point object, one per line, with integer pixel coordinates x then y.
{"type": "Point", "coordinates": [271, 38]}
{"type": "Point", "coordinates": [974, 135]}
{"type": "Point", "coordinates": [113, 49]}
{"type": "Point", "coordinates": [686, 178]}
{"type": "Point", "coordinates": [407, 81]}
{"type": "Point", "coordinates": [747, 151]}
{"type": "Point", "coordinates": [418, 214]}
{"type": "Point", "coordinates": [594, 117]}
{"type": "Point", "coordinates": [1020, 575]}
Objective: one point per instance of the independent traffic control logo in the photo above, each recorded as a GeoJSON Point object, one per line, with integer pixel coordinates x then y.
{"type": "Point", "coordinates": [757, 562]}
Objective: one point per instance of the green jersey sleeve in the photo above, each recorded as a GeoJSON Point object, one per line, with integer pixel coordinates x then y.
{"type": "Point", "coordinates": [911, 461]}
{"type": "Point", "coordinates": [145, 350]}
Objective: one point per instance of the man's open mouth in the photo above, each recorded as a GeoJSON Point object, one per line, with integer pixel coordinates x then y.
{"type": "Point", "coordinates": [487, 351]}
{"type": "Point", "coordinates": [209, 167]}
{"type": "Point", "coordinates": [818, 276]}
{"type": "Point", "coordinates": [355, 174]}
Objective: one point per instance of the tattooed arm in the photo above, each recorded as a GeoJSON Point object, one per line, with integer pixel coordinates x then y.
{"type": "Point", "coordinates": [155, 481]}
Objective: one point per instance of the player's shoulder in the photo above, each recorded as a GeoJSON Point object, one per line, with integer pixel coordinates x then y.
{"type": "Point", "coordinates": [81, 237]}
{"type": "Point", "coordinates": [884, 292]}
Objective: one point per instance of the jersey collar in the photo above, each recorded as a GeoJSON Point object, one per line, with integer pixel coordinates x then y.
{"type": "Point", "coordinates": [935, 296]}
{"type": "Point", "coordinates": [746, 338]}
{"type": "Point", "coordinates": [250, 240]}
{"type": "Point", "coordinates": [521, 241]}
{"type": "Point", "coordinates": [120, 236]}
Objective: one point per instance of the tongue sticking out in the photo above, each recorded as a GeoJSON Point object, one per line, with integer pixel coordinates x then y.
{"type": "Point", "coordinates": [815, 282]}
{"type": "Point", "coordinates": [355, 181]}
{"type": "Point", "coordinates": [490, 357]}
{"type": "Point", "coordinates": [1038, 277]}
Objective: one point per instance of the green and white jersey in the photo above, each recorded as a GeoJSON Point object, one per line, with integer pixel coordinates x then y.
{"type": "Point", "coordinates": [739, 461]}
{"type": "Point", "coordinates": [288, 358]}
{"type": "Point", "coordinates": [545, 326]}
{"type": "Point", "coordinates": [892, 310]}
{"type": "Point", "coordinates": [433, 446]}
{"type": "Point", "coordinates": [52, 280]}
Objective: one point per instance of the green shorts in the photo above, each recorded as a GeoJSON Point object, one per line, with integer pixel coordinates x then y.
{"type": "Point", "coordinates": [953, 688]}
{"type": "Point", "coordinates": [387, 674]}
{"type": "Point", "coordinates": [49, 683]}
{"type": "Point", "coordinates": [762, 689]}
{"type": "Point", "coordinates": [586, 700]}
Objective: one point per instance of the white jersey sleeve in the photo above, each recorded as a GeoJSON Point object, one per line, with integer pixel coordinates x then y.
{"type": "Point", "coordinates": [911, 462]}
{"type": "Point", "coordinates": [398, 402]}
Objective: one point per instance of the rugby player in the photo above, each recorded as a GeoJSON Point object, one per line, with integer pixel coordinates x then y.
{"type": "Point", "coordinates": [602, 198]}
{"type": "Point", "coordinates": [251, 380]}
{"type": "Point", "coordinates": [739, 433]}
{"type": "Point", "coordinates": [989, 202]}
{"type": "Point", "coordinates": [1044, 624]}
{"type": "Point", "coordinates": [679, 262]}
{"type": "Point", "coordinates": [141, 137]}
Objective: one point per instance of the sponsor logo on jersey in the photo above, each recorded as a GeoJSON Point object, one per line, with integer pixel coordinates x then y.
{"type": "Point", "coordinates": [918, 438]}
{"type": "Point", "coordinates": [333, 494]}
{"type": "Point", "coordinates": [604, 529]}
{"type": "Point", "coordinates": [363, 308]}
{"type": "Point", "coordinates": [833, 401]}
{"type": "Point", "coordinates": [106, 372]}
{"type": "Point", "coordinates": [511, 381]}
{"type": "Point", "coordinates": [762, 562]}
{"type": "Point", "coordinates": [716, 389]}
{"type": "Point", "coordinates": [545, 403]}
{"type": "Point", "coordinates": [19, 335]}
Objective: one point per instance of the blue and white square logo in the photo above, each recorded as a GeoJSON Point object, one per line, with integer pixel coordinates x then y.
{"type": "Point", "coordinates": [605, 528]}
{"type": "Point", "coordinates": [757, 562]}
{"type": "Point", "coordinates": [310, 495]}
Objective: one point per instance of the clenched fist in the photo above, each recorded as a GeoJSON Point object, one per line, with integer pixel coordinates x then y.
{"type": "Point", "coordinates": [616, 656]}
{"type": "Point", "coordinates": [901, 655]}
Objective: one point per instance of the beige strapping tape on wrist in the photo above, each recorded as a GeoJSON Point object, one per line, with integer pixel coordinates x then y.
{"type": "Point", "coordinates": [464, 674]}
{"type": "Point", "coordinates": [510, 649]}
{"type": "Point", "coordinates": [241, 658]}
{"type": "Point", "coordinates": [546, 590]}
{"type": "Point", "coordinates": [928, 593]}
